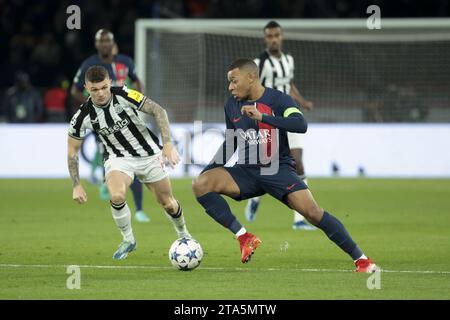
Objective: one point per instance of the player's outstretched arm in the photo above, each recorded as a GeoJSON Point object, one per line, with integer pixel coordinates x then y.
{"type": "Point", "coordinates": [292, 123]}
{"type": "Point", "coordinates": [169, 152]}
{"type": "Point", "coordinates": [73, 146]}
{"type": "Point", "coordinates": [292, 120]}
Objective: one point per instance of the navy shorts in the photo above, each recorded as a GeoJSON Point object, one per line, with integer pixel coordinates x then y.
{"type": "Point", "coordinates": [252, 184]}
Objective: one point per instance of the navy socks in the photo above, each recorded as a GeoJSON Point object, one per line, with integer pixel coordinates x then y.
{"type": "Point", "coordinates": [337, 233]}
{"type": "Point", "coordinates": [218, 209]}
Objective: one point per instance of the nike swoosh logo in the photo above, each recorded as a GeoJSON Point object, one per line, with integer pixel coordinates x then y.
{"type": "Point", "coordinates": [95, 120]}
{"type": "Point", "coordinates": [291, 186]}
{"type": "Point", "coordinates": [236, 119]}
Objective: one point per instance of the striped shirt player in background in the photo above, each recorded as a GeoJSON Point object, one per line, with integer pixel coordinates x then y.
{"type": "Point", "coordinates": [122, 72]}
{"type": "Point", "coordinates": [130, 149]}
{"type": "Point", "coordinates": [276, 70]}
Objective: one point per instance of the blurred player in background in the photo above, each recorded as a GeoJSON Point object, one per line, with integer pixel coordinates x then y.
{"type": "Point", "coordinates": [260, 117]}
{"type": "Point", "coordinates": [122, 71]}
{"type": "Point", "coordinates": [22, 102]}
{"type": "Point", "coordinates": [276, 70]}
{"type": "Point", "coordinates": [130, 149]}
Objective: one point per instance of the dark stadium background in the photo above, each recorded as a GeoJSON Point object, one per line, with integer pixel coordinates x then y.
{"type": "Point", "coordinates": [35, 40]}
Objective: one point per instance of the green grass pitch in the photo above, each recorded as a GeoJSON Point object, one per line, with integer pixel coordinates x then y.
{"type": "Point", "coordinates": [403, 224]}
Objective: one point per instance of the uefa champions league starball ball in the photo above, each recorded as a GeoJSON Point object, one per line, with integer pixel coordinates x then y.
{"type": "Point", "coordinates": [185, 254]}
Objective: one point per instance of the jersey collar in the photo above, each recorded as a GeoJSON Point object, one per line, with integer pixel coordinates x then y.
{"type": "Point", "coordinates": [106, 105]}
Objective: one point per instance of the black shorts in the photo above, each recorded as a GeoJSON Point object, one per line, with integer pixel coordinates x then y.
{"type": "Point", "coordinates": [252, 184]}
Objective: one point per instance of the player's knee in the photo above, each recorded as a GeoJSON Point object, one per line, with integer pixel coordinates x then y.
{"type": "Point", "coordinates": [170, 205]}
{"type": "Point", "coordinates": [166, 200]}
{"type": "Point", "coordinates": [313, 214]}
{"type": "Point", "coordinates": [201, 185]}
{"type": "Point", "coordinates": [118, 197]}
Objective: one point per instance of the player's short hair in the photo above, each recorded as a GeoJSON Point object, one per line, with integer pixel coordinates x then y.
{"type": "Point", "coordinates": [272, 24]}
{"type": "Point", "coordinates": [101, 32]}
{"type": "Point", "coordinates": [96, 74]}
{"type": "Point", "coordinates": [244, 64]}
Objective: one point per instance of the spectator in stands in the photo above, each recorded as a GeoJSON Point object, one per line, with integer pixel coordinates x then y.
{"type": "Point", "coordinates": [23, 103]}
{"type": "Point", "coordinates": [56, 101]}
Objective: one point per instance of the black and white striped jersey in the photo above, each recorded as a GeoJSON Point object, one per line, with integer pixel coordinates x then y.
{"type": "Point", "coordinates": [117, 125]}
{"type": "Point", "coordinates": [276, 72]}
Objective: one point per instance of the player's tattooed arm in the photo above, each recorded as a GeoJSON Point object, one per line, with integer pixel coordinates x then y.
{"type": "Point", "coordinates": [169, 152]}
{"type": "Point", "coordinates": [161, 119]}
{"type": "Point", "coordinates": [73, 146]}
{"type": "Point", "coordinates": [73, 169]}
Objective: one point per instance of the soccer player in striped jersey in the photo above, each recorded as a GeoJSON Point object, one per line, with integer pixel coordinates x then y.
{"type": "Point", "coordinates": [122, 72]}
{"type": "Point", "coordinates": [276, 70]}
{"type": "Point", "coordinates": [130, 149]}
{"type": "Point", "coordinates": [257, 120]}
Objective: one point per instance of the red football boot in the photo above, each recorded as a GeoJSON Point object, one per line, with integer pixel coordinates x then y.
{"type": "Point", "coordinates": [366, 265]}
{"type": "Point", "coordinates": [249, 242]}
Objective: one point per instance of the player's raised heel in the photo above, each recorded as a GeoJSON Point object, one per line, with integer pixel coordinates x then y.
{"type": "Point", "coordinates": [125, 247]}
{"type": "Point", "coordinates": [366, 266]}
{"type": "Point", "coordinates": [302, 225]}
{"type": "Point", "coordinates": [248, 242]}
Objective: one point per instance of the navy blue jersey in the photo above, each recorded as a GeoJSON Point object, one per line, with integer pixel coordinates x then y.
{"type": "Point", "coordinates": [121, 68]}
{"type": "Point", "coordinates": [270, 141]}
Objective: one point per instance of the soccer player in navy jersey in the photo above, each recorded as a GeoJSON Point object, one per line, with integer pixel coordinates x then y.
{"type": "Point", "coordinates": [257, 120]}
{"type": "Point", "coordinates": [122, 72]}
{"type": "Point", "coordinates": [276, 70]}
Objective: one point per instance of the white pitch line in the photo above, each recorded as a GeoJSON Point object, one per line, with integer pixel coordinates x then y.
{"type": "Point", "coordinates": [213, 268]}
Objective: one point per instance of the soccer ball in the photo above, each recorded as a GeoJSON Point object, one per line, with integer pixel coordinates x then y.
{"type": "Point", "coordinates": [185, 254]}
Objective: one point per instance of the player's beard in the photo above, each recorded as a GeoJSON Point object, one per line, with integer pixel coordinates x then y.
{"type": "Point", "coordinates": [275, 50]}
{"type": "Point", "coordinates": [106, 52]}
{"type": "Point", "coordinates": [107, 55]}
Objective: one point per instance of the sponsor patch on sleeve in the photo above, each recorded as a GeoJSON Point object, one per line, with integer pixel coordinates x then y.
{"type": "Point", "coordinates": [135, 95]}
